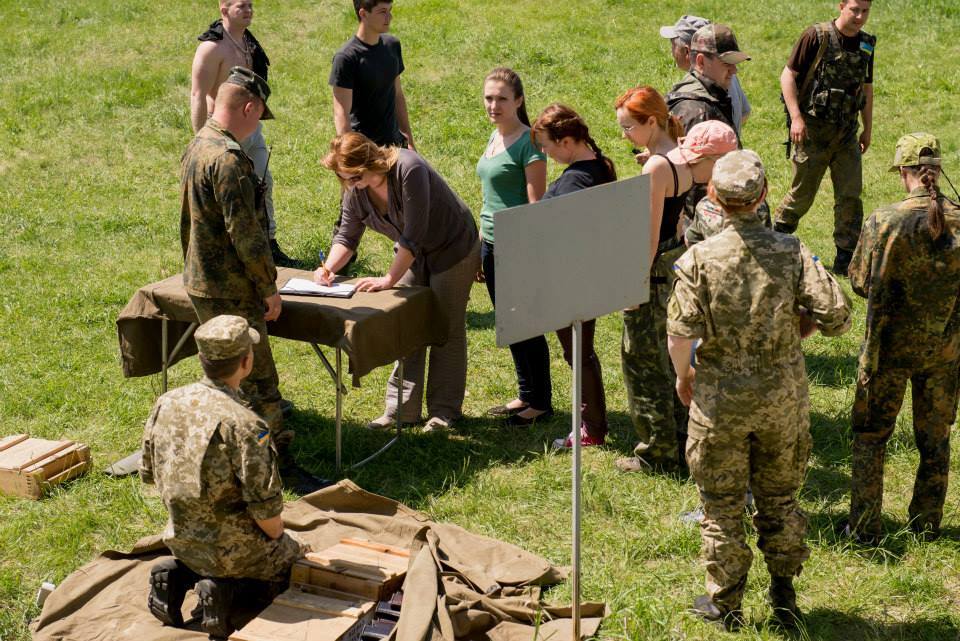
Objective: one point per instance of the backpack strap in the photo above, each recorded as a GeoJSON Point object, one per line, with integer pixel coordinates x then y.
{"type": "Point", "coordinates": [822, 36]}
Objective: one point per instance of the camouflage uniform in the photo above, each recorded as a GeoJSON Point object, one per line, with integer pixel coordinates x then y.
{"type": "Point", "coordinates": [228, 266]}
{"type": "Point", "coordinates": [649, 381]}
{"type": "Point", "coordinates": [741, 291]}
{"type": "Point", "coordinates": [913, 334]}
{"type": "Point", "coordinates": [830, 109]}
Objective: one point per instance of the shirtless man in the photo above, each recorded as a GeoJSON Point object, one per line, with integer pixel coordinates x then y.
{"type": "Point", "coordinates": [228, 43]}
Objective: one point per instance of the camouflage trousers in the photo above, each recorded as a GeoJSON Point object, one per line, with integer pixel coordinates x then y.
{"type": "Point", "coordinates": [770, 458]}
{"type": "Point", "coordinates": [261, 387]}
{"type": "Point", "coordinates": [253, 557]}
{"type": "Point", "coordinates": [657, 415]}
{"type": "Point", "coordinates": [828, 146]}
{"type": "Point", "coordinates": [875, 410]}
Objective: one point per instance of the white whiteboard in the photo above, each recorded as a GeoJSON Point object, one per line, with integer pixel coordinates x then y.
{"type": "Point", "coordinates": [574, 257]}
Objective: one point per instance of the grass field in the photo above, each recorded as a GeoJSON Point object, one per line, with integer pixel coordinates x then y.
{"type": "Point", "coordinates": [93, 120]}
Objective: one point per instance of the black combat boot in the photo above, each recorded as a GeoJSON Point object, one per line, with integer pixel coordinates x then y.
{"type": "Point", "coordinates": [784, 228]}
{"type": "Point", "coordinates": [282, 260]}
{"type": "Point", "coordinates": [706, 609]}
{"type": "Point", "coordinates": [783, 600]}
{"type": "Point", "coordinates": [169, 582]}
{"type": "Point", "coordinates": [216, 598]}
{"type": "Point", "coordinates": [842, 261]}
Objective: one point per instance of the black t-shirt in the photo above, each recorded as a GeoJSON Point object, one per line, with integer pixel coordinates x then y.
{"type": "Point", "coordinates": [805, 52]}
{"type": "Point", "coordinates": [580, 175]}
{"type": "Point", "coordinates": [371, 71]}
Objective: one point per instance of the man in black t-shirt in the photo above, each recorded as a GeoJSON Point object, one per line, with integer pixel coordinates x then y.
{"type": "Point", "coordinates": [827, 87]}
{"type": "Point", "coordinates": [367, 96]}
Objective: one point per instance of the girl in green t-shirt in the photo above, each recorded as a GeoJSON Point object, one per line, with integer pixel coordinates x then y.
{"type": "Point", "coordinates": [513, 172]}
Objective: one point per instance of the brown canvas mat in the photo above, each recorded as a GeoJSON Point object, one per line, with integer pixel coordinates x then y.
{"type": "Point", "coordinates": [458, 585]}
{"type": "Point", "coordinates": [373, 328]}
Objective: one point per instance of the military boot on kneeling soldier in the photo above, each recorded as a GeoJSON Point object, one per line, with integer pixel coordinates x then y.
{"type": "Point", "coordinates": [215, 466]}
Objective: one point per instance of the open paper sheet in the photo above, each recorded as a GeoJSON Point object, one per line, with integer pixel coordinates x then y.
{"type": "Point", "coordinates": [304, 287]}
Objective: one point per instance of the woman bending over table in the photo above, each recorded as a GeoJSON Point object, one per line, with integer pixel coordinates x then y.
{"type": "Point", "coordinates": [396, 193]}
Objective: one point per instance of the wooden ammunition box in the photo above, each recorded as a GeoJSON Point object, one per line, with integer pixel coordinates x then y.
{"type": "Point", "coordinates": [363, 568]}
{"type": "Point", "coordinates": [29, 466]}
{"type": "Point", "coordinates": [309, 614]}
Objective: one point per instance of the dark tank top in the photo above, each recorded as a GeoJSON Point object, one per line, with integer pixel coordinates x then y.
{"type": "Point", "coordinates": [672, 206]}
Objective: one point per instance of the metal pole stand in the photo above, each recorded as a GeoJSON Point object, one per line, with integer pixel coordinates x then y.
{"type": "Point", "coordinates": [166, 359]}
{"type": "Point", "coordinates": [576, 393]}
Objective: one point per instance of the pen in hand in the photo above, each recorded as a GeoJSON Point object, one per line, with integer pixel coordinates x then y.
{"type": "Point", "coordinates": [323, 275]}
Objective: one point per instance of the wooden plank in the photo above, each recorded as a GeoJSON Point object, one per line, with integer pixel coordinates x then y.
{"type": "Point", "coordinates": [18, 484]}
{"type": "Point", "coordinates": [13, 439]}
{"type": "Point", "coordinates": [59, 461]}
{"type": "Point", "coordinates": [379, 547]}
{"type": "Point", "coordinates": [40, 451]}
{"type": "Point", "coordinates": [69, 473]}
{"type": "Point", "coordinates": [283, 623]}
{"type": "Point", "coordinates": [321, 604]}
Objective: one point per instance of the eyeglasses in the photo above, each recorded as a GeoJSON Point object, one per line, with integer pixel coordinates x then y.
{"type": "Point", "coordinates": [627, 129]}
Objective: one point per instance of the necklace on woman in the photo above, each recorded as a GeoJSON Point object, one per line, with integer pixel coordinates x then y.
{"type": "Point", "coordinates": [244, 50]}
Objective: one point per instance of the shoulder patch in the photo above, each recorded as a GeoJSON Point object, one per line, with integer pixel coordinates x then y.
{"type": "Point", "coordinates": [263, 437]}
{"type": "Point", "coordinates": [866, 47]}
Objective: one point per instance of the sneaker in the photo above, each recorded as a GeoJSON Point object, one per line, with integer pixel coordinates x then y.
{"type": "Point", "coordinates": [169, 582]}
{"type": "Point", "coordinates": [585, 441]}
{"type": "Point", "coordinates": [438, 424]}
{"type": "Point", "coordinates": [731, 620]}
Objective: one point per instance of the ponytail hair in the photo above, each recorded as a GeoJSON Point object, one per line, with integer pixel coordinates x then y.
{"type": "Point", "coordinates": [510, 77]}
{"type": "Point", "coordinates": [644, 102]}
{"type": "Point", "coordinates": [929, 176]}
{"type": "Point", "coordinates": [558, 121]}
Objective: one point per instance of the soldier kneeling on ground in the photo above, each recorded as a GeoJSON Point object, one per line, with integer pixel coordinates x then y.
{"type": "Point", "coordinates": [751, 294]}
{"type": "Point", "coordinates": [215, 467]}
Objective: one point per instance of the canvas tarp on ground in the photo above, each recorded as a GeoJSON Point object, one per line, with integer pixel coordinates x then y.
{"type": "Point", "coordinates": [459, 585]}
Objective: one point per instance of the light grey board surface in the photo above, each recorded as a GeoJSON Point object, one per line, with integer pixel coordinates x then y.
{"type": "Point", "coordinates": [574, 257]}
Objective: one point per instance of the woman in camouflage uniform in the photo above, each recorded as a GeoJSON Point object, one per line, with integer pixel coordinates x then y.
{"type": "Point", "coordinates": [907, 265]}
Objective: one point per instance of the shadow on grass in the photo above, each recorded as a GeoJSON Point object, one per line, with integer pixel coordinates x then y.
{"type": "Point", "coordinates": [481, 320]}
{"type": "Point", "coordinates": [832, 370]}
{"type": "Point", "coordinates": [823, 623]}
{"type": "Point", "coordinates": [419, 464]}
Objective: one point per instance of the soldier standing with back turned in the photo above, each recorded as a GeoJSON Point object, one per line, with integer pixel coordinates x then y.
{"type": "Point", "coordinates": [746, 292]}
{"type": "Point", "coordinates": [826, 84]}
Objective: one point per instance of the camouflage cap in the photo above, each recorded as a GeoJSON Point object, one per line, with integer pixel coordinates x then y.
{"type": "Point", "coordinates": [718, 40]}
{"type": "Point", "coordinates": [910, 148]}
{"type": "Point", "coordinates": [738, 178]}
{"type": "Point", "coordinates": [684, 29]}
{"type": "Point", "coordinates": [254, 84]}
{"type": "Point", "coordinates": [224, 337]}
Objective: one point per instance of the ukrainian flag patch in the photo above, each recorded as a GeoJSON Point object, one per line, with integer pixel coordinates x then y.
{"type": "Point", "coordinates": [866, 47]}
{"type": "Point", "coordinates": [263, 437]}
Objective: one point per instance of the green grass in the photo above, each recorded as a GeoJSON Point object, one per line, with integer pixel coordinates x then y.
{"type": "Point", "coordinates": [93, 119]}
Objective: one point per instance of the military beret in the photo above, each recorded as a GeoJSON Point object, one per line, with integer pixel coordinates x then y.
{"type": "Point", "coordinates": [738, 178]}
{"type": "Point", "coordinates": [224, 337]}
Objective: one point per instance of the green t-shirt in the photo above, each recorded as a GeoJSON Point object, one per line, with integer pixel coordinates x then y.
{"type": "Point", "coordinates": [504, 179]}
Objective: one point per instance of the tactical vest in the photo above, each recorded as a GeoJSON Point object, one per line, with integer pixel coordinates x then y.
{"type": "Point", "coordinates": [836, 94]}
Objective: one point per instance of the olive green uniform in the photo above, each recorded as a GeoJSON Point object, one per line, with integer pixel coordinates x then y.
{"type": "Point", "coordinates": [741, 291]}
{"type": "Point", "coordinates": [913, 334]}
{"type": "Point", "coordinates": [228, 265]}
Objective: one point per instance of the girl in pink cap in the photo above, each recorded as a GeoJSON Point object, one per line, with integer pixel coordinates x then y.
{"type": "Point", "coordinates": [674, 167]}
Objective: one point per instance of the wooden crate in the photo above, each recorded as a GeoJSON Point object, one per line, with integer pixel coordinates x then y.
{"type": "Point", "coordinates": [29, 466]}
{"type": "Point", "coordinates": [353, 566]}
{"type": "Point", "coordinates": [309, 614]}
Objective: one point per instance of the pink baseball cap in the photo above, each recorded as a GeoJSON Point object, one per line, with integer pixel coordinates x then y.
{"type": "Point", "coordinates": [708, 138]}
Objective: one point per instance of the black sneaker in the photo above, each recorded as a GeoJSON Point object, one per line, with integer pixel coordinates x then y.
{"type": "Point", "coordinates": [783, 599]}
{"type": "Point", "coordinates": [731, 620]}
{"type": "Point", "coordinates": [842, 262]}
{"type": "Point", "coordinates": [169, 582]}
{"type": "Point", "coordinates": [282, 260]}
{"type": "Point", "coordinates": [216, 597]}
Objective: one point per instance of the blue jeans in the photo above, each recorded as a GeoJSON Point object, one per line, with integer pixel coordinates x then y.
{"type": "Point", "coordinates": [531, 358]}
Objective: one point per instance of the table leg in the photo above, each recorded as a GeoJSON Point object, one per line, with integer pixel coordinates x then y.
{"type": "Point", "coordinates": [396, 438]}
{"type": "Point", "coordinates": [164, 338]}
{"type": "Point", "coordinates": [339, 419]}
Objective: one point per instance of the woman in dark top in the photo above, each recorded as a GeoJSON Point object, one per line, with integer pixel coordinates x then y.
{"type": "Point", "coordinates": [564, 137]}
{"type": "Point", "coordinates": [396, 193]}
